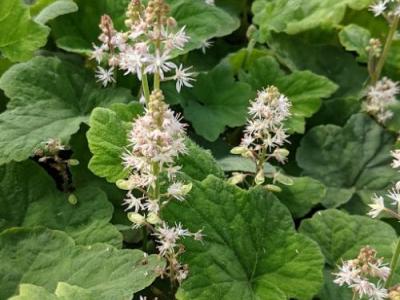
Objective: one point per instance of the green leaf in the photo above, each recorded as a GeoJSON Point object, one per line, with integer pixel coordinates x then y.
{"type": "Point", "coordinates": [302, 196]}
{"type": "Point", "coordinates": [46, 257]}
{"type": "Point", "coordinates": [47, 10]}
{"type": "Point", "coordinates": [250, 250]}
{"type": "Point", "coordinates": [234, 163]}
{"type": "Point", "coordinates": [355, 38]}
{"type": "Point", "coordinates": [199, 163]}
{"type": "Point", "coordinates": [341, 236]}
{"type": "Point", "coordinates": [303, 88]}
{"type": "Point", "coordinates": [294, 16]}
{"type": "Point", "coordinates": [108, 137]}
{"type": "Point", "coordinates": [64, 291]}
{"type": "Point", "coordinates": [215, 102]}
{"type": "Point", "coordinates": [49, 98]}
{"type": "Point", "coordinates": [20, 36]}
{"type": "Point", "coordinates": [37, 202]}
{"type": "Point", "coordinates": [76, 32]}
{"type": "Point", "coordinates": [322, 58]}
{"type": "Point", "coordinates": [203, 21]}
{"type": "Point", "coordinates": [351, 160]}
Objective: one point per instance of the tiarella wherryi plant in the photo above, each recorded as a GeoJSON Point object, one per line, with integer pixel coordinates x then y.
{"type": "Point", "coordinates": [382, 93]}
{"type": "Point", "coordinates": [264, 134]}
{"type": "Point", "coordinates": [158, 137]}
{"type": "Point", "coordinates": [137, 162]}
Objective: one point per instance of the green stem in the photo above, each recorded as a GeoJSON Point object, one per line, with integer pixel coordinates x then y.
{"type": "Point", "coordinates": [354, 296]}
{"type": "Point", "coordinates": [385, 53]}
{"type": "Point", "coordinates": [156, 81]}
{"type": "Point", "coordinates": [250, 48]}
{"type": "Point", "coordinates": [145, 239]}
{"type": "Point", "coordinates": [393, 264]}
{"type": "Point", "coordinates": [145, 87]}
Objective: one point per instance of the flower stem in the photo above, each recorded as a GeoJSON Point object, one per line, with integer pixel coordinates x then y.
{"type": "Point", "coordinates": [393, 264]}
{"type": "Point", "coordinates": [146, 90]}
{"type": "Point", "coordinates": [354, 296]}
{"type": "Point", "coordinates": [385, 53]}
{"type": "Point", "coordinates": [156, 81]}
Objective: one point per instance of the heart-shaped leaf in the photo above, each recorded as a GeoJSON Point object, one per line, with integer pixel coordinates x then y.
{"type": "Point", "coordinates": [45, 257]}
{"type": "Point", "coordinates": [49, 98]}
{"type": "Point", "coordinates": [108, 138]}
{"type": "Point", "coordinates": [37, 202]}
{"type": "Point", "coordinates": [250, 250]}
{"type": "Point", "coordinates": [354, 159]}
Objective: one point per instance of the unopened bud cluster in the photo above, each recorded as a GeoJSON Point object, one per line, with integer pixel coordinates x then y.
{"type": "Point", "coordinates": [265, 133]}
{"type": "Point", "coordinates": [365, 275]}
{"type": "Point", "coordinates": [379, 99]}
{"type": "Point", "coordinates": [144, 48]}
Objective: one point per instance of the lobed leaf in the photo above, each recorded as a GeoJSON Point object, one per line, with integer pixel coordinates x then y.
{"type": "Point", "coordinates": [250, 250]}
{"type": "Point", "coordinates": [44, 258]}
{"type": "Point", "coordinates": [49, 98]}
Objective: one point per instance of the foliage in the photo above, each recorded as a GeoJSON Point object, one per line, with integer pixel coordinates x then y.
{"type": "Point", "coordinates": [198, 149]}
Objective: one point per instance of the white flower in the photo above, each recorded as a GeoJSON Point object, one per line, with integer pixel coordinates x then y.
{"type": "Point", "coordinates": [396, 159]}
{"type": "Point", "coordinates": [152, 206]}
{"type": "Point", "coordinates": [160, 63]}
{"type": "Point", "coordinates": [209, 2]}
{"type": "Point", "coordinates": [178, 190]}
{"type": "Point", "coordinates": [378, 293]}
{"type": "Point", "coordinates": [105, 76]}
{"type": "Point", "coordinates": [379, 7]}
{"type": "Point", "coordinates": [394, 194]}
{"type": "Point", "coordinates": [132, 202]}
{"type": "Point", "coordinates": [118, 41]}
{"type": "Point", "coordinates": [182, 275]}
{"type": "Point", "coordinates": [132, 61]}
{"type": "Point", "coordinates": [205, 45]}
{"type": "Point", "coordinates": [380, 97]}
{"type": "Point", "coordinates": [363, 287]}
{"type": "Point", "coordinates": [98, 53]}
{"type": "Point", "coordinates": [380, 270]}
{"type": "Point", "coordinates": [177, 40]}
{"type": "Point", "coordinates": [265, 128]}
{"type": "Point", "coordinates": [377, 206]}
{"type": "Point", "coordinates": [347, 274]}
{"type": "Point", "coordinates": [183, 77]}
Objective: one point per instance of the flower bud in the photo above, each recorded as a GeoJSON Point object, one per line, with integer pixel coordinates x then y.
{"type": "Point", "coordinates": [73, 162]}
{"type": "Point", "coordinates": [260, 178]}
{"type": "Point", "coordinates": [239, 150]}
{"type": "Point", "coordinates": [273, 188]}
{"type": "Point", "coordinates": [72, 199]}
{"type": "Point", "coordinates": [136, 218]}
{"type": "Point", "coordinates": [286, 180]}
{"type": "Point", "coordinates": [186, 189]}
{"type": "Point", "coordinates": [171, 22]}
{"type": "Point", "coordinates": [236, 178]}
{"type": "Point", "coordinates": [153, 218]}
{"type": "Point", "coordinates": [281, 154]}
{"type": "Point", "coordinates": [124, 185]}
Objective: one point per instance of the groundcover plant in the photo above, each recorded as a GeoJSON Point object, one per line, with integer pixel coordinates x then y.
{"type": "Point", "coordinates": [199, 149]}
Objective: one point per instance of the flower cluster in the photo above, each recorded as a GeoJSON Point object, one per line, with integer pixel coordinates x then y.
{"type": "Point", "coordinates": [380, 97]}
{"type": "Point", "coordinates": [365, 275]}
{"type": "Point", "coordinates": [145, 48]}
{"type": "Point", "coordinates": [155, 141]}
{"type": "Point", "coordinates": [385, 7]}
{"type": "Point", "coordinates": [378, 202]}
{"type": "Point", "coordinates": [265, 133]}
